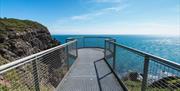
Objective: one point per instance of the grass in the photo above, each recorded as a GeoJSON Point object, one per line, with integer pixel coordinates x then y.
{"type": "Point", "coordinates": [18, 25]}
{"type": "Point", "coordinates": [133, 85]}
{"type": "Point", "coordinates": [17, 79]}
{"type": "Point", "coordinates": [174, 81]}
{"type": "Point", "coordinates": [136, 86]}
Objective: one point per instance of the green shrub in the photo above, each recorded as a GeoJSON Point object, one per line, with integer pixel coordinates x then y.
{"type": "Point", "coordinates": [18, 25]}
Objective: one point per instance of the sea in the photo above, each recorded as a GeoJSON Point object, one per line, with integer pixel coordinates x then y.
{"type": "Point", "coordinates": [167, 47]}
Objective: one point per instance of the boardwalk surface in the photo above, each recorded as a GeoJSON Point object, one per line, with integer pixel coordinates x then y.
{"type": "Point", "coordinates": [83, 77]}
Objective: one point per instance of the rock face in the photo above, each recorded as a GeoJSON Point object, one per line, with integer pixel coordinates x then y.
{"type": "Point", "coordinates": [132, 76]}
{"type": "Point", "coordinates": [20, 38]}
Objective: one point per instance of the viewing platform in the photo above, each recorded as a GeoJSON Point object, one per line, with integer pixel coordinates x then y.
{"type": "Point", "coordinates": [88, 72]}
{"type": "Point", "coordinates": [90, 64]}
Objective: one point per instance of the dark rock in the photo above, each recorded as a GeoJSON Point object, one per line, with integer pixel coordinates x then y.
{"type": "Point", "coordinates": [22, 40]}
{"type": "Point", "coordinates": [132, 76]}
{"type": "Point", "coordinates": [25, 40]}
{"type": "Point", "coordinates": [3, 38]}
{"type": "Point", "coordinates": [7, 54]}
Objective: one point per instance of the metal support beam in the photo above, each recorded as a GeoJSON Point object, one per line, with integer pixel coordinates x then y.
{"type": "Point", "coordinates": [35, 76]}
{"type": "Point", "coordinates": [83, 42]}
{"type": "Point", "coordinates": [105, 48]}
{"type": "Point", "coordinates": [114, 56]}
{"type": "Point", "coordinates": [76, 49]}
{"type": "Point", "coordinates": [145, 73]}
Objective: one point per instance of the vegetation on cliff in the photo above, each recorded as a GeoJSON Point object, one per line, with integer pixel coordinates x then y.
{"type": "Point", "coordinates": [18, 25]}
{"type": "Point", "coordinates": [20, 38]}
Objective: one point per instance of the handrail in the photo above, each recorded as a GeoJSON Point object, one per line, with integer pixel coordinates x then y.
{"type": "Point", "coordinates": [94, 36]}
{"type": "Point", "coordinates": [3, 68]}
{"type": "Point", "coordinates": [151, 56]}
{"type": "Point", "coordinates": [152, 66]}
{"type": "Point", "coordinates": [97, 37]}
{"type": "Point", "coordinates": [110, 43]}
{"type": "Point", "coordinates": [83, 41]}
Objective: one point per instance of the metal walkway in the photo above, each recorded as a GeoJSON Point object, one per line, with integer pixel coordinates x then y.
{"type": "Point", "coordinates": [82, 75]}
{"type": "Point", "coordinates": [115, 67]}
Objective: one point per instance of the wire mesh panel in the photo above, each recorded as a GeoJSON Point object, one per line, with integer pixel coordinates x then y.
{"type": "Point", "coordinates": [140, 71]}
{"type": "Point", "coordinates": [90, 41]}
{"type": "Point", "coordinates": [72, 49]}
{"type": "Point", "coordinates": [38, 73]}
{"type": "Point", "coordinates": [162, 77]}
{"type": "Point", "coordinates": [94, 42]}
{"type": "Point", "coordinates": [72, 53]}
{"type": "Point", "coordinates": [110, 52]}
{"type": "Point", "coordinates": [51, 69]}
{"type": "Point", "coordinates": [80, 41]}
{"type": "Point", "coordinates": [18, 79]}
{"type": "Point", "coordinates": [129, 67]}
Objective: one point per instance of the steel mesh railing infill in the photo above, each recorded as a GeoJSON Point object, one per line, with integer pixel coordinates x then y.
{"type": "Point", "coordinates": [109, 52]}
{"type": "Point", "coordinates": [140, 71]}
{"type": "Point", "coordinates": [90, 41]}
{"type": "Point", "coordinates": [72, 51]}
{"type": "Point", "coordinates": [129, 67]}
{"type": "Point", "coordinates": [126, 65]}
{"type": "Point", "coordinates": [94, 41]}
{"type": "Point", "coordinates": [162, 77]}
{"type": "Point", "coordinates": [42, 71]}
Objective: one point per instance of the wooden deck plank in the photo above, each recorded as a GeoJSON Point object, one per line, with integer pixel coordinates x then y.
{"type": "Point", "coordinates": [82, 75]}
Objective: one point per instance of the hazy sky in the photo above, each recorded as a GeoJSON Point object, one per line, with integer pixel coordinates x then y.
{"type": "Point", "coordinates": [98, 16]}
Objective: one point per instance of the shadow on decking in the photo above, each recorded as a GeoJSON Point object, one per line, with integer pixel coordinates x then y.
{"type": "Point", "coordinates": [88, 74]}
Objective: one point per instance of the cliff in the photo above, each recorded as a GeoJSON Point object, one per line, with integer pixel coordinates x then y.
{"type": "Point", "coordinates": [20, 38]}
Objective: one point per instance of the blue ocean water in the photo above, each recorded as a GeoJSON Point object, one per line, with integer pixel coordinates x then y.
{"type": "Point", "coordinates": [167, 47]}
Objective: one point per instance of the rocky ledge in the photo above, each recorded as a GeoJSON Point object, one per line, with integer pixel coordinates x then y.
{"type": "Point", "coordinates": [20, 38]}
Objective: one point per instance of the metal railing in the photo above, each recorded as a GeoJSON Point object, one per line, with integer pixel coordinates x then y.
{"type": "Point", "coordinates": [137, 70]}
{"type": "Point", "coordinates": [42, 71]}
{"type": "Point", "coordinates": [90, 41]}
{"type": "Point", "coordinates": [140, 71]}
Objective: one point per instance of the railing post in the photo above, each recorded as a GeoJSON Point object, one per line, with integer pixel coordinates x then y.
{"type": "Point", "coordinates": [145, 73]}
{"type": "Point", "coordinates": [67, 54]}
{"type": "Point", "coordinates": [114, 55]}
{"type": "Point", "coordinates": [83, 42]}
{"type": "Point", "coordinates": [68, 57]}
{"type": "Point", "coordinates": [35, 75]}
{"type": "Point", "coordinates": [105, 41]}
{"type": "Point", "coordinates": [76, 49]}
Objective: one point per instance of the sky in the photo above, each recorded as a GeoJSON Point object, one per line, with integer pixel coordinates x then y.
{"type": "Point", "coordinates": [152, 17]}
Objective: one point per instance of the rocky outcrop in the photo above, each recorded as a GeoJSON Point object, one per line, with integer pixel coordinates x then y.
{"type": "Point", "coordinates": [20, 38]}
{"type": "Point", "coordinates": [132, 76]}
